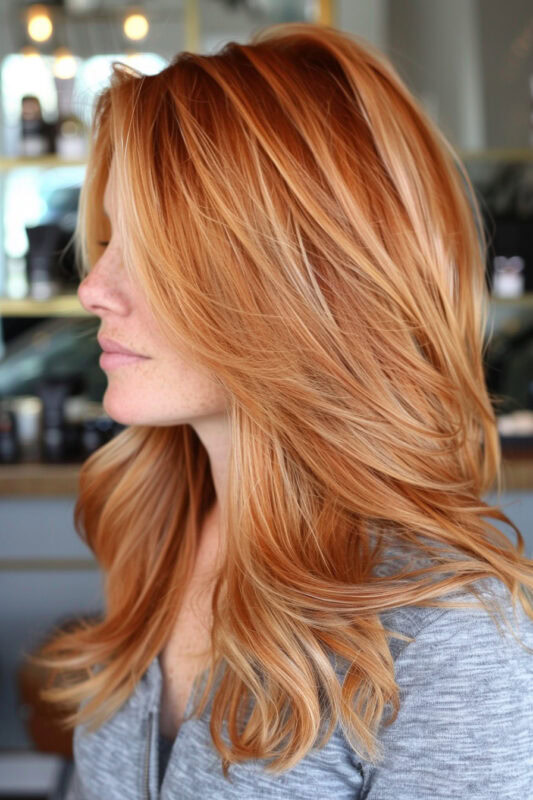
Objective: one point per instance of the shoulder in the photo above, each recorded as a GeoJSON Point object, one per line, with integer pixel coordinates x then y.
{"type": "Point", "coordinates": [464, 653]}
{"type": "Point", "coordinates": [465, 723]}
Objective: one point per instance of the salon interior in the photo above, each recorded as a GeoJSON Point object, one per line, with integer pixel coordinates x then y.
{"type": "Point", "coordinates": [470, 64]}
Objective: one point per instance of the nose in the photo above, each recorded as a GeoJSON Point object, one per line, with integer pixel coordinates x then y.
{"type": "Point", "coordinates": [100, 291]}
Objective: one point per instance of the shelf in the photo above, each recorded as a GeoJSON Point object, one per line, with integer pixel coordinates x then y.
{"type": "Point", "coordinates": [517, 473]}
{"type": "Point", "coordinates": [498, 154]}
{"type": "Point", "coordinates": [60, 480]}
{"type": "Point", "coordinates": [39, 480]}
{"type": "Point", "coordinates": [63, 305]}
{"type": "Point", "coordinates": [52, 160]}
{"type": "Point", "coordinates": [68, 305]}
{"type": "Point", "coordinates": [524, 300]}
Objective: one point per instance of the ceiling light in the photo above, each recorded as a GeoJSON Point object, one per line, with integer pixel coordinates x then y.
{"type": "Point", "coordinates": [135, 26]}
{"type": "Point", "coordinates": [39, 24]}
{"type": "Point", "coordinates": [64, 66]}
{"type": "Point", "coordinates": [28, 51]}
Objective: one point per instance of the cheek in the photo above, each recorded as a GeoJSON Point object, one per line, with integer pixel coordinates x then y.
{"type": "Point", "coordinates": [188, 383]}
{"type": "Point", "coordinates": [164, 388]}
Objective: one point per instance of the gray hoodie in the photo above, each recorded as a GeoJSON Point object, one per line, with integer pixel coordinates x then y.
{"type": "Point", "coordinates": [464, 729]}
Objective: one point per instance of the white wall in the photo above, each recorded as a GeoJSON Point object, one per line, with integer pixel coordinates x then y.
{"type": "Point", "coordinates": [366, 18]}
{"type": "Point", "coordinates": [436, 48]}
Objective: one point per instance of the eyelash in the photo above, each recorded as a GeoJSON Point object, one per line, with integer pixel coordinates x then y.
{"type": "Point", "coordinates": [103, 244]}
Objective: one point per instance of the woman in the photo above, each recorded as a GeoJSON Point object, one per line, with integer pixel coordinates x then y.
{"type": "Point", "coordinates": [291, 522]}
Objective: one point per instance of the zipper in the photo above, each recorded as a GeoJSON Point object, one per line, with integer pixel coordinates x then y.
{"type": "Point", "coordinates": [146, 794]}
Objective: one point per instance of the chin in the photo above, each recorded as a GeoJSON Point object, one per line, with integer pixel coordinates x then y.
{"type": "Point", "coordinates": [117, 407]}
{"type": "Point", "coordinates": [118, 410]}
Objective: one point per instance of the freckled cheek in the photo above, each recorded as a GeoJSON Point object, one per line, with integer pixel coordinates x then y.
{"type": "Point", "coordinates": [173, 374]}
{"type": "Point", "coordinates": [192, 384]}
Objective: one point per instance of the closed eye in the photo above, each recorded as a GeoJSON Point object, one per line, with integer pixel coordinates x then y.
{"type": "Point", "coordinates": [103, 244]}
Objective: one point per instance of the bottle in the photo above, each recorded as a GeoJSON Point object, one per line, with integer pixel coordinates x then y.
{"type": "Point", "coordinates": [53, 392]}
{"type": "Point", "coordinates": [27, 411]}
{"type": "Point", "coordinates": [42, 260]}
{"type": "Point", "coordinates": [71, 138]}
{"type": "Point", "coordinates": [9, 446]}
{"type": "Point", "coordinates": [37, 136]}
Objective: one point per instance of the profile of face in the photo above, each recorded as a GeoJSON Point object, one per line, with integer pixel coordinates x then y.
{"type": "Point", "coordinates": [161, 386]}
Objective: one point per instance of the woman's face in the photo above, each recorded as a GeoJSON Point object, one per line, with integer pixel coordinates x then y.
{"type": "Point", "coordinates": [161, 387]}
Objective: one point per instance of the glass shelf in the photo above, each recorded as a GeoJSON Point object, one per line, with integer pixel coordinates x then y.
{"type": "Point", "coordinates": [499, 154]}
{"type": "Point", "coordinates": [63, 305]}
{"type": "Point", "coordinates": [68, 305]}
{"type": "Point", "coordinates": [53, 160]}
{"type": "Point", "coordinates": [523, 301]}
{"type": "Point", "coordinates": [14, 162]}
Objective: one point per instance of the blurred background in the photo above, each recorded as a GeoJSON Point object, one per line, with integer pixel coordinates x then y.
{"type": "Point", "coordinates": [470, 63]}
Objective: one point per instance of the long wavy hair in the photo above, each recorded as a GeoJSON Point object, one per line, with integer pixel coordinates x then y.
{"type": "Point", "coordinates": [296, 218]}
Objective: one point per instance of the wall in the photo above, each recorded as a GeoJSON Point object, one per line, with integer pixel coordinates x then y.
{"type": "Point", "coordinates": [506, 35]}
{"type": "Point", "coordinates": [436, 48]}
{"type": "Point", "coordinates": [471, 62]}
{"type": "Point", "coordinates": [32, 597]}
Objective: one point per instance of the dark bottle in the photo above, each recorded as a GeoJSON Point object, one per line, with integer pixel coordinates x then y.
{"type": "Point", "coordinates": [42, 260]}
{"type": "Point", "coordinates": [96, 431]}
{"type": "Point", "coordinates": [37, 135]}
{"type": "Point", "coordinates": [53, 392]}
{"type": "Point", "coordinates": [9, 446]}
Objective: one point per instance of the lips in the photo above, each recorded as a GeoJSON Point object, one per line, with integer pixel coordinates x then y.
{"type": "Point", "coordinates": [111, 346]}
